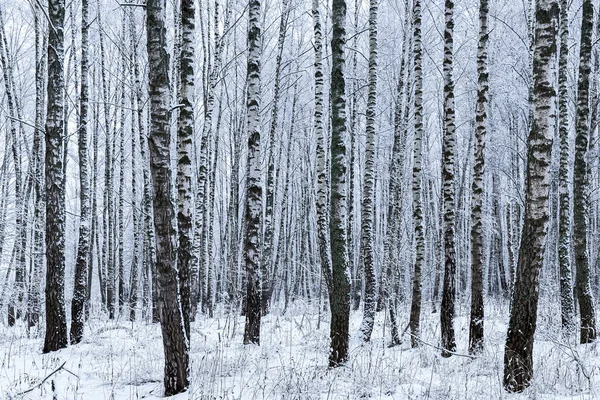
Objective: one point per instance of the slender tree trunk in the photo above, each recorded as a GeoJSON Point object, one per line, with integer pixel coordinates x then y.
{"type": "Point", "coordinates": [198, 263]}
{"type": "Point", "coordinates": [56, 319]}
{"type": "Point", "coordinates": [39, 220]}
{"type": "Point", "coordinates": [15, 305]}
{"type": "Point", "coordinates": [267, 256]}
{"type": "Point", "coordinates": [175, 340]}
{"type": "Point", "coordinates": [518, 355]}
{"type": "Point", "coordinates": [109, 277]}
{"type": "Point", "coordinates": [355, 270]}
{"type": "Point", "coordinates": [94, 207]}
{"type": "Point", "coordinates": [368, 208]}
{"type": "Point", "coordinates": [83, 247]}
{"type": "Point", "coordinates": [120, 216]}
{"type": "Point", "coordinates": [252, 242]}
{"type": "Point", "coordinates": [448, 187]}
{"type": "Point", "coordinates": [322, 172]}
{"type": "Point", "coordinates": [185, 130]}
{"type": "Point", "coordinates": [137, 243]}
{"type": "Point", "coordinates": [340, 296]}
{"type": "Point", "coordinates": [581, 181]}
{"type": "Point", "coordinates": [476, 321]}
{"type": "Point", "coordinates": [415, 309]}
{"type": "Point", "coordinates": [394, 211]}
{"type": "Point", "coordinates": [150, 287]}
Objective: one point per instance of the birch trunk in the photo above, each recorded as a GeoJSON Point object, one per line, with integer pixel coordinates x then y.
{"type": "Point", "coordinates": [581, 181]}
{"type": "Point", "coordinates": [394, 212]}
{"type": "Point", "coordinates": [448, 188]}
{"type": "Point", "coordinates": [518, 355]}
{"type": "Point", "coordinates": [185, 131]}
{"type": "Point", "coordinates": [56, 319]}
{"type": "Point", "coordinates": [267, 256]}
{"type": "Point", "coordinates": [322, 172]}
{"type": "Point", "coordinates": [15, 306]}
{"type": "Point", "coordinates": [83, 247]}
{"type": "Point", "coordinates": [476, 322]}
{"type": "Point", "coordinates": [175, 340]}
{"type": "Point", "coordinates": [252, 241]}
{"type": "Point", "coordinates": [34, 302]}
{"type": "Point", "coordinates": [108, 182]}
{"type": "Point", "coordinates": [340, 296]}
{"type": "Point", "coordinates": [415, 309]}
{"type": "Point", "coordinates": [137, 243]}
{"type": "Point", "coordinates": [368, 209]}
{"type": "Point", "coordinates": [120, 216]}
{"type": "Point", "coordinates": [564, 240]}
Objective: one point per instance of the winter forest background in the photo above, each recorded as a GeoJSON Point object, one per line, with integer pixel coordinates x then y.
{"type": "Point", "coordinates": [299, 199]}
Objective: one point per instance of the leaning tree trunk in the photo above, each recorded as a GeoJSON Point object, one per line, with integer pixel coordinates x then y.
{"type": "Point", "coordinates": [340, 296]}
{"type": "Point", "coordinates": [518, 354]}
{"type": "Point", "coordinates": [185, 130]}
{"type": "Point", "coordinates": [581, 181]}
{"type": "Point", "coordinates": [448, 188]}
{"type": "Point", "coordinates": [252, 245]}
{"type": "Point", "coordinates": [56, 319]}
{"type": "Point", "coordinates": [83, 247]}
{"type": "Point", "coordinates": [394, 211]}
{"type": "Point", "coordinates": [175, 341]}
{"type": "Point", "coordinates": [415, 309]}
{"type": "Point", "coordinates": [18, 291]}
{"type": "Point", "coordinates": [368, 212]}
{"type": "Point", "coordinates": [564, 238]}
{"type": "Point", "coordinates": [267, 251]}
{"type": "Point", "coordinates": [477, 235]}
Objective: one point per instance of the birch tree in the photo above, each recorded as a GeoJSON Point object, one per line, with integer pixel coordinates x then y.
{"type": "Point", "coordinates": [394, 213]}
{"type": "Point", "coordinates": [175, 340]}
{"type": "Point", "coordinates": [108, 221]}
{"type": "Point", "coordinates": [448, 187]}
{"type": "Point", "coordinates": [581, 185]}
{"type": "Point", "coordinates": [185, 128]}
{"type": "Point", "coordinates": [564, 239]}
{"type": "Point", "coordinates": [518, 353]}
{"type": "Point", "coordinates": [15, 306]}
{"type": "Point", "coordinates": [340, 296]}
{"type": "Point", "coordinates": [415, 308]}
{"type": "Point", "coordinates": [476, 322]}
{"type": "Point", "coordinates": [322, 172]}
{"type": "Point", "coordinates": [252, 241]}
{"type": "Point", "coordinates": [368, 211]}
{"type": "Point", "coordinates": [267, 256]}
{"type": "Point", "coordinates": [34, 303]}
{"type": "Point", "coordinates": [83, 247]}
{"type": "Point", "coordinates": [56, 319]}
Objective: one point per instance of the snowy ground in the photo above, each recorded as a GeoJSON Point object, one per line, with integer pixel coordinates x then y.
{"type": "Point", "coordinates": [124, 361]}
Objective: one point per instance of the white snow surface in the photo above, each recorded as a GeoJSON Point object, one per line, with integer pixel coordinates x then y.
{"type": "Point", "coordinates": [119, 360]}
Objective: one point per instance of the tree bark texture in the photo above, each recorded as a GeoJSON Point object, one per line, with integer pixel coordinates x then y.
{"type": "Point", "coordinates": [518, 354]}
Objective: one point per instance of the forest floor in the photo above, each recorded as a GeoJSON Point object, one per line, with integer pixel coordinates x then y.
{"type": "Point", "coordinates": [120, 360]}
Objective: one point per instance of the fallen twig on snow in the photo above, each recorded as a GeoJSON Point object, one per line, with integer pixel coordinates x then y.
{"type": "Point", "coordinates": [31, 389]}
{"type": "Point", "coordinates": [441, 349]}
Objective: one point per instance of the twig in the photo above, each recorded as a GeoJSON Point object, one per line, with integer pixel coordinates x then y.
{"type": "Point", "coordinates": [43, 380]}
{"type": "Point", "coordinates": [575, 355]}
{"type": "Point", "coordinates": [441, 349]}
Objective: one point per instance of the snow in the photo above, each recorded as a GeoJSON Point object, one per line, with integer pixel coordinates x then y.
{"type": "Point", "coordinates": [120, 360]}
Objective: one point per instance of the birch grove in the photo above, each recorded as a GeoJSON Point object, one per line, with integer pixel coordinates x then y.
{"type": "Point", "coordinates": [261, 188]}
